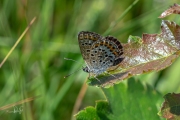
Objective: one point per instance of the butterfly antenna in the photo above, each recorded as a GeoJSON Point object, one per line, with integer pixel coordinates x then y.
{"type": "Point", "coordinates": [72, 73]}
{"type": "Point", "coordinates": [72, 60]}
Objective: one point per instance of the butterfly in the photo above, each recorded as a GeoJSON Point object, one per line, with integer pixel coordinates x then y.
{"type": "Point", "coordinates": [99, 53]}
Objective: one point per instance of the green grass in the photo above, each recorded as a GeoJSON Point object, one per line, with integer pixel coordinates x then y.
{"type": "Point", "coordinates": [37, 65]}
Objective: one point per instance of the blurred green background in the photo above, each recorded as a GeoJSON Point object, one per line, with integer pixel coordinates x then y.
{"type": "Point", "coordinates": [37, 65]}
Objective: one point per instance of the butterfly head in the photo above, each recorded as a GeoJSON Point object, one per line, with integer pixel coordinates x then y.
{"type": "Point", "coordinates": [86, 69]}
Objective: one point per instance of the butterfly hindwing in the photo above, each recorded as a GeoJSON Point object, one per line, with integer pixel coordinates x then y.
{"type": "Point", "coordinates": [104, 54]}
{"type": "Point", "coordinates": [116, 48]}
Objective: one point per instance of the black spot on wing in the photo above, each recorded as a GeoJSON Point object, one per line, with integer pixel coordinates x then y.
{"type": "Point", "coordinates": [117, 61]}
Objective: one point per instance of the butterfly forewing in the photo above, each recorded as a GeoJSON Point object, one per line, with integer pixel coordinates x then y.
{"type": "Point", "coordinates": [86, 39]}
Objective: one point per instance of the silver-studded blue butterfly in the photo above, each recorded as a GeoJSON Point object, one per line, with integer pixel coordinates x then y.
{"type": "Point", "coordinates": [99, 53]}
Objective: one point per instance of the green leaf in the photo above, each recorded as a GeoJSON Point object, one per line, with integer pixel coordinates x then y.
{"type": "Point", "coordinates": [130, 101]}
{"type": "Point", "coordinates": [88, 114]}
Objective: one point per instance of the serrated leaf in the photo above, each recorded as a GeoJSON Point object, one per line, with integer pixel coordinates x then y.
{"type": "Point", "coordinates": [175, 9]}
{"type": "Point", "coordinates": [171, 107]}
{"type": "Point", "coordinates": [88, 114]}
{"type": "Point", "coordinates": [153, 52]}
{"type": "Point", "coordinates": [127, 102]}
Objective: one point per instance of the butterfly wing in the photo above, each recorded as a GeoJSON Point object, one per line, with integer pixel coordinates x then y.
{"type": "Point", "coordinates": [116, 48]}
{"type": "Point", "coordinates": [86, 39]}
{"type": "Point", "coordinates": [105, 53]}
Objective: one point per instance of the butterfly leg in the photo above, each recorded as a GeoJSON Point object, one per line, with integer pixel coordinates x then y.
{"type": "Point", "coordinates": [94, 77]}
{"type": "Point", "coordinates": [89, 75]}
{"type": "Point", "coordinates": [112, 76]}
{"type": "Point", "coordinates": [97, 79]}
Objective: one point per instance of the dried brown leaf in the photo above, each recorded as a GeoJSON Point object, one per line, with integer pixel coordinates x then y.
{"type": "Point", "coordinates": [171, 107]}
{"type": "Point", "coordinates": [18, 103]}
{"type": "Point", "coordinates": [153, 52]}
{"type": "Point", "coordinates": [175, 9]}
